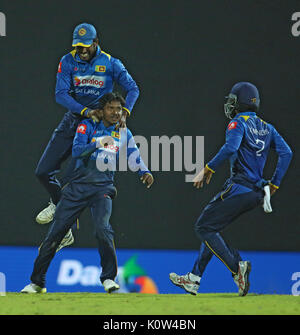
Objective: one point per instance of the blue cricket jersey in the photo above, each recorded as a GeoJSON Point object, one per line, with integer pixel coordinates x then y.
{"type": "Point", "coordinates": [98, 162]}
{"type": "Point", "coordinates": [81, 84]}
{"type": "Point", "coordinates": [248, 141]}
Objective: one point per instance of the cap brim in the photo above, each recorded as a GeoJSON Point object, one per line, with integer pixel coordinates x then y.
{"type": "Point", "coordinates": [77, 43]}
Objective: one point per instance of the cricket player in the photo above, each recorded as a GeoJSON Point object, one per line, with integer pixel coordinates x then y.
{"type": "Point", "coordinates": [248, 141]}
{"type": "Point", "coordinates": [84, 75]}
{"type": "Point", "coordinates": [97, 146]}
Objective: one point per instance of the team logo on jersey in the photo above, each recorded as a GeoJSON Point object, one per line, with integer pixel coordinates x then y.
{"type": "Point", "coordinates": [59, 68]}
{"type": "Point", "coordinates": [94, 81]}
{"type": "Point", "coordinates": [82, 32]}
{"type": "Point", "coordinates": [81, 129]}
{"type": "Point", "coordinates": [100, 68]}
{"type": "Point", "coordinates": [232, 125]}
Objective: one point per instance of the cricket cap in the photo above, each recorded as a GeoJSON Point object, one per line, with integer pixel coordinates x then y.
{"type": "Point", "coordinates": [84, 35]}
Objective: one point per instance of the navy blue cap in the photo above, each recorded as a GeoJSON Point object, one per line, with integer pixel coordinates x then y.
{"type": "Point", "coordinates": [84, 35]}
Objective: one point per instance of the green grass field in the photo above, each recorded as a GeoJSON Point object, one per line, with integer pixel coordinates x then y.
{"type": "Point", "coordinates": [147, 304]}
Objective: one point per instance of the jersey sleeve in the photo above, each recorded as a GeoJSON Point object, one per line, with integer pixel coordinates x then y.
{"type": "Point", "coordinates": [284, 157]}
{"type": "Point", "coordinates": [63, 87]}
{"type": "Point", "coordinates": [135, 161]}
{"type": "Point", "coordinates": [82, 146]}
{"type": "Point", "coordinates": [234, 135]}
{"type": "Point", "coordinates": [123, 78]}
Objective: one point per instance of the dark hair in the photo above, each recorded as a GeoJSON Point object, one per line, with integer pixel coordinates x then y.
{"type": "Point", "coordinates": [109, 97]}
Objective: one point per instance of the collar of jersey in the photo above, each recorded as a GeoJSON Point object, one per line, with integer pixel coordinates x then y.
{"type": "Point", "coordinates": [246, 114]}
{"type": "Point", "coordinates": [101, 126]}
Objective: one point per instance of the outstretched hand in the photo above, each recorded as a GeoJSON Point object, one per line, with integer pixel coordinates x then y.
{"type": "Point", "coordinates": [204, 175]}
{"type": "Point", "coordinates": [147, 179]}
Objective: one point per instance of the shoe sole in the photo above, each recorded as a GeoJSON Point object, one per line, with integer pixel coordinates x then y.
{"type": "Point", "coordinates": [247, 285]}
{"type": "Point", "coordinates": [181, 286]}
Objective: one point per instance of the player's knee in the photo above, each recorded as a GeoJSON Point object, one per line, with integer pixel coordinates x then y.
{"type": "Point", "coordinates": [104, 234]}
{"type": "Point", "coordinates": [201, 229]}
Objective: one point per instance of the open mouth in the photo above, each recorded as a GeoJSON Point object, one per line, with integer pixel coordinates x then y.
{"type": "Point", "coordinates": [84, 55]}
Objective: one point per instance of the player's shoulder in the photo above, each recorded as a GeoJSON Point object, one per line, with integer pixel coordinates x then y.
{"type": "Point", "coordinates": [236, 122]}
{"type": "Point", "coordinates": [68, 58]}
{"type": "Point", "coordinates": [87, 124]}
{"type": "Point", "coordinates": [113, 60]}
{"type": "Point", "coordinates": [265, 125]}
{"type": "Point", "coordinates": [106, 55]}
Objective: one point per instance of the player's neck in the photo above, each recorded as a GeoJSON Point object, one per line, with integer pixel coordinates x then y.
{"type": "Point", "coordinates": [107, 124]}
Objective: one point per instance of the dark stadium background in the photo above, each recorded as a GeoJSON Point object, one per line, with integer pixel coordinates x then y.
{"type": "Point", "coordinates": [185, 56]}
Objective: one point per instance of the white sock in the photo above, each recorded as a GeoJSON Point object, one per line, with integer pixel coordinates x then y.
{"type": "Point", "coordinates": [194, 277]}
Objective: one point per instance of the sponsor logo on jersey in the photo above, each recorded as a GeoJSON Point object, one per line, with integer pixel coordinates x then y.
{"type": "Point", "coordinates": [94, 81]}
{"type": "Point", "coordinates": [232, 125]}
{"type": "Point", "coordinates": [81, 129]}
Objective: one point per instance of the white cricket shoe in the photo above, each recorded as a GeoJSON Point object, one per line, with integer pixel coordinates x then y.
{"type": "Point", "coordinates": [33, 288]}
{"type": "Point", "coordinates": [67, 240]}
{"type": "Point", "coordinates": [189, 282]}
{"type": "Point", "coordinates": [110, 286]}
{"type": "Point", "coordinates": [47, 214]}
{"type": "Point", "coordinates": [242, 277]}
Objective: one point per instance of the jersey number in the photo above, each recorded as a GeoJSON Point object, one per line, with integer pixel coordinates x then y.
{"type": "Point", "coordinates": [258, 152]}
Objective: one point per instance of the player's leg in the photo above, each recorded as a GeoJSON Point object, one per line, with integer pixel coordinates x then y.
{"type": "Point", "coordinates": [69, 208]}
{"type": "Point", "coordinates": [101, 209]}
{"type": "Point", "coordinates": [204, 257]}
{"type": "Point", "coordinates": [219, 213]}
{"type": "Point", "coordinates": [57, 151]}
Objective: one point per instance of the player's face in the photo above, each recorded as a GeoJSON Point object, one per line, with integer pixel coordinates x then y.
{"type": "Point", "coordinates": [112, 112]}
{"type": "Point", "coordinates": [86, 53]}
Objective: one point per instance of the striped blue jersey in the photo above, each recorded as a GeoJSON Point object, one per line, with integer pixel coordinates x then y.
{"type": "Point", "coordinates": [81, 84]}
{"type": "Point", "coordinates": [98, 149]}
{"type": "Point", "coordinates": [248, 142]}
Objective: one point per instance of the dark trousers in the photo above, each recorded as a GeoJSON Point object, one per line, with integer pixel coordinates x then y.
{"type": "Point", "coordinates": [58, 149]}
{"type": "Point", "coordinates": [224, 208]}
{"type": "Point", "coordinates": [75, 198]}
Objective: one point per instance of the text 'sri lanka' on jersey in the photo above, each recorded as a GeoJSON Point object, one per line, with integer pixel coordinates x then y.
{"type": "Point", "coordinates": [248, 142]}
{"type": "Point", "coordinates": [98, 164]}
{"type": "Point", "coordinates": [80, 84]}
